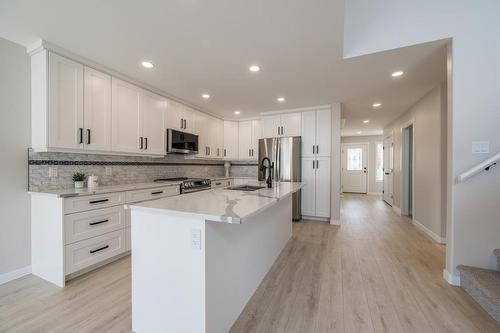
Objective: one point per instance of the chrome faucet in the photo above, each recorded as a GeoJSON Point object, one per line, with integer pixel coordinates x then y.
{"type": "Point", "coordinates": [270, 167]}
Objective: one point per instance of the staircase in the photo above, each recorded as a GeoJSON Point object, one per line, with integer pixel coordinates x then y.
{"type": "Point", "coordinates": [483, 285]}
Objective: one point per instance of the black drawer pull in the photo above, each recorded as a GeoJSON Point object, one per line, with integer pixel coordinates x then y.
{"type": "Point", "coordinates": [99, 249]}
{"type": "Point", "coordinates": [99, 222]}
{"type": "Point", "coordinates": [218, 183]}
{"type": "Point", "coordinates": [157, 192]}
{"type": "Point", "coordinates": [98, 201]}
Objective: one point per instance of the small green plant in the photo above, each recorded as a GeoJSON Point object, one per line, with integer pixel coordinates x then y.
{"type": "Point", "coordinates": [79, 177]}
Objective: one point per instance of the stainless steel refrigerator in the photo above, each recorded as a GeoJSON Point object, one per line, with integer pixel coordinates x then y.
{"type": "Point", "coordinates": [285, 153]}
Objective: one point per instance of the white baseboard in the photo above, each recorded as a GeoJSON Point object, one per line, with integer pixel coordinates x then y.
{"type": "Point", "coordinates": [452, 279]}
{"type": "Point", "coordinates": [334, 222]}
{"type": "Point", "coordinates": [396, 210]}
{"type": "Point", "coordinates": [315, 218]}
{"type": "Point", "coordinates": [435, 237]}
{"type": "Point", "coordinates": [374, 193]}
{"type": "Point", "coordinates": [9, 276]}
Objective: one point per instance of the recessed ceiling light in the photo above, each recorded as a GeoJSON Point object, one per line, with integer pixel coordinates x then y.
{"type": "Point", "coordinates": [280, 99]}
{"type": "Point", "coordinates": [147, 64]}
{"type": "Point", "coordinates": [237, 112]}
{"type": "Point", "coordinates": [397, 73]}
{"type": "Point", "coordinates": [376, 105]}
{"type": "Point", "coordinates": [366, 121]}
{"type": "Point", "coordinates": [205, 96]}
{"type": "Point", "coordinates": [358, 132]}
{"type": "Point", "coordinates": [254, 68]}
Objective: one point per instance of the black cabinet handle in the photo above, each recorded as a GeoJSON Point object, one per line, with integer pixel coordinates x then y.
{"type": "Point", "coordinates": [99, 249]}
{"type": "Point", "coordinates": [80, 134]}
{"type": "Point", "coordinates": [182, 123]}
{"type": "Point", "coordinates": [185, 124]}
{"type": "Point", "coordinates": [249, 152]}
{"type": "Point", "coordinates": [224, 152]}
{"type": "Point", "coordinates": [157, 192]}
{"type": "Point", "coordinates": [88, 136]}
{"type": "Point", "coordinates": [218, 151]}
{"type": "Point", "coordinates": [218, 183]}
{"type": "Point", "coordinates": [99, 222]}
{"type": "Point", "coordinates": [317, 149]}
{"type": "Point", "coordinates": [98, 201]}
{"type": "Point", "coordinates": [145, 143]}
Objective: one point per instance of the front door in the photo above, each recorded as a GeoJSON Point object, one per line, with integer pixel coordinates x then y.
{"type": "Point", "coordinates": [354, 168]}
{"type": "Point", "coordinates": [388, 170]}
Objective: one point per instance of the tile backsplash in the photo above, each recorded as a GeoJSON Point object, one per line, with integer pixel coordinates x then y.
{"type": "Point", "coordinates": [52, 171]}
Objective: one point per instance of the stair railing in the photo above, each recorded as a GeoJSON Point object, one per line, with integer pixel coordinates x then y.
{"type": "Point", "coordinates": [481, 167]}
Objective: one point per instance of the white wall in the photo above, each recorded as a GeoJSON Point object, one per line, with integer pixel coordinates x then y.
{"type": "Point", "coordinates": [374, 26]}
{"type": "Point", "coordinates": [372, 140]}
{"type": "Point", "coordinates": [428, 158]}
{"type": "Point", "coordinates": [335, 164]}
{"type": "Point", "coordinates": [15, 248]}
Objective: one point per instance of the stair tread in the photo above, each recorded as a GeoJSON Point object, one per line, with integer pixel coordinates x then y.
{"type": "Point", "coordinates": [488, 281]}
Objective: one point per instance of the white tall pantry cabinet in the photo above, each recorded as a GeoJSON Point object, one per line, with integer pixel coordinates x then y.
{"type": "Point", "coordinates": [316, 163]}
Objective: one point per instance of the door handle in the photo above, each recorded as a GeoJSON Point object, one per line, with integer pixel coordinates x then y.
{"type": "Point", "coordinates": [317, 164]}
{"type": "Point", "coordinates": [80, 134]}
{"type": "Point", "coordinates": [99, 249]}
{"type": "Point", "coordinates": [278, 128]}
{"type": "Point", "coordinates": [314, 165]}
{"type": "Point", "coordinates": [99, 222]}
{"type": "Point", "coordinates": [157, 192]}
{"type": "Point", "coordinates": [182, 123]}
{"type": "Point", "coordinates": [88, 136]}
{"type": "Point", "coordinates": [224, 152]}
{"type": "Point", "coordinates": [146, 143]}
{"type": "Point", "coordinates": [317, 149]}
{"type": "Point", "coordinates": [185, 123]}
{"type": "Point", "coordinates": [386, 173]}
{"type": "Point", "coordinates": [141, 142]}
{"type": "Point", "coordinates": [314, 149]}
{"type": "Point", "coordinates": [249, 152]}
{"type": "Point", "coordinates": [98, 201]}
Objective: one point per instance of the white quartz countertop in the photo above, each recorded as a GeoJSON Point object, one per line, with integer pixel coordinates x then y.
{"type": "Point", "coordinates": [74, 192]}
{"type": "Point", "coordinates": [222, 205]}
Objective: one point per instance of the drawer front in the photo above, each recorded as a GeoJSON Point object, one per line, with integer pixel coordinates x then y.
{"type": "Point", "coordinates": [80, 204]}
{"type": "Point", "coordinates": [80, 226]}
{"type": "Point", "coordinates": [221, 183]}
{"type": "Point", "coordinates": [91, 251]}
{"type": "Point", "coordinates": [153, 193]}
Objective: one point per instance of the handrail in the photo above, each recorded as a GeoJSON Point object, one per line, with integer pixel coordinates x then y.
{"type": "Point", "coordinates": [483, 166]}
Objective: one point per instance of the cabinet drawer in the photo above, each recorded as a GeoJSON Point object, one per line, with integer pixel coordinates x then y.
{"type": "Point", "coordinates": [80, 204]}
{"type": "Point", "coordinates": [152, 193]}
{"type": "Point", "coordinates": [221, 183]}
{"type": "Point", "coordinates": [91, 251]}
{"type": "Point", "coordinates": [80, 226]}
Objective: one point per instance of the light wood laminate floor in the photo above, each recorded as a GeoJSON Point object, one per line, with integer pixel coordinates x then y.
{"type": "Point", "coordinates": [376, 273]}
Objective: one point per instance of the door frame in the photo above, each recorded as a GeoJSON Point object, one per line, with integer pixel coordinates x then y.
{"type": "Point", "coordinates": [404, 169]}
{"type": "Point", "coordinates": [367, 164]}
{"type": "Point", "coordinates": [387, 137]}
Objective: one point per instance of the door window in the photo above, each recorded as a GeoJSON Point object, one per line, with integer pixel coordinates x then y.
{"type": "Point", "coordinates": [354, 159]}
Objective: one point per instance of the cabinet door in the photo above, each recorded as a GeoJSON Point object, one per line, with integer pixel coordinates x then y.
{"type": "Point", "coordinates": [308, 133]}
{"type": "Point", "coordinates": [153, 123]}
{"type": "Point", "coordinates": [230, 140]}
{"type": "Point", "coordinates": [323, 187]}
{"type": "Point", "coordinates": [97, 110]}
{"type": "Point", "coordinates": [174, 115]}
{"type": "Point", "coordinates": [245, 139]}
{"type": "Point", "coordinates": [271, 126]}
{"type": "Point", "coordinates": [323, 133]}
{"type": "Point", "coordinates": [65, 103]}
{"type": "Point", "coordinates": [290, 123]}
{"type": "Point", "coordinates": [212, 136]}
{"type": "Point", "coordinates": [256, 136]}
{"type": "Point", "coordinates": [308, 198]}
{"type": "Point", "coordinates": [203, 134]}
{"type": "Point", "coordinates": [220, 138]}
{"type": "Point", "coordinates": [189, 116]}
{"type": "Point", "coordinates": [126, 111]}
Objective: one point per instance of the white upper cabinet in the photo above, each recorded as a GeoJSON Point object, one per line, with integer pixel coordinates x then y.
{"type": "Point", "coordinates": [97, 110]}
{"type": "Point", "coordinates": [220, 138]}
{"type": "Point", "coordinates": [153, 123]}
{"type": "Point", "coordinates": [316, 133]}
{"type": "Point", "coordinates": [126, 113]}
{"type": "Point", "coordinates": [230, 151]}
{"type": "Point", "coordinates": [65, 103]}
{"type": "Point", "coordinates": [308, 134]}
{"type": "Point", "coordinates": [287, 124]}
{"type": "Point", "coordinates": [249, 135]}
{"type": "Point", "coordinates": [203, 134]}
{"type": "Point", "coordinates": [181, 118]}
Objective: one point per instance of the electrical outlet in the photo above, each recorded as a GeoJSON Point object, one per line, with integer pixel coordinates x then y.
{"type": "Point", "coordinates": [196, 239]}
{"type": "Point", "coordinates": [109, 171]}
{"type": "Point", "coordinates": [480, 147]}
{"type": "Point", "coordinates": [52, 172]}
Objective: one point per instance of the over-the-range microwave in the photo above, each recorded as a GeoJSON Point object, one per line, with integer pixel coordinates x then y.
{"type": "Point", "coordinates": [181, 142]}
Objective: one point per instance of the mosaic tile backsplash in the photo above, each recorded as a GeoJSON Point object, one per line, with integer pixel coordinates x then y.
{"type": "Point", "coordinates": [52, 171]}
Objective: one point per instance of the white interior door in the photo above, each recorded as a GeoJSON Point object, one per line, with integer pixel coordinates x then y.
{"type": "Point", "coordinates": [388, 170]}
{"type": "Point", "coordinates": [354, 168]}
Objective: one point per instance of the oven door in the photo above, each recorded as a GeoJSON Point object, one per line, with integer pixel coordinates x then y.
{"type": "Point", "coordinates": [181, 142]}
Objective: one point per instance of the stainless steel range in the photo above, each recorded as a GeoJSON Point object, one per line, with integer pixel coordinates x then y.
{"type": "Point", "coordinates": [190, 185]}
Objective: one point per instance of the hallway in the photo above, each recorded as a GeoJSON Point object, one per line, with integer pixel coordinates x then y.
{"type": "Point", "coordinates": [376, 273]}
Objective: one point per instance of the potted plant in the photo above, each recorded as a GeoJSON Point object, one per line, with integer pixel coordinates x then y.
{"type": "Point", "coordinates": [79, 179]}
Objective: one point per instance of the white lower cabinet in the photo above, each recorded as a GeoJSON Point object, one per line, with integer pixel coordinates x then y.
{"type": "Point", "coordinates": [316, 173]}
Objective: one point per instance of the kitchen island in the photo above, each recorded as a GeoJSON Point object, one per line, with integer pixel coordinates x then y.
{"type": "Point", "coordinates": [198, 258]}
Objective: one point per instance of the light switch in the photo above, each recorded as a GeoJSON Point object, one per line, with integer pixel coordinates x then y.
{"type": "Point", "coordinates": [480, 147]}
{"type": "Point", "coordinates": [196, 239]}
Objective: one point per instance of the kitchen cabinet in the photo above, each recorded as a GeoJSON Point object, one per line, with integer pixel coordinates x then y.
{"type": "Point", "coordinates": [202, 120]}
{"type": "Point", "coordinates": [248, 139]}
{"type": "Point", "coordinates": [230, 151]}
{"type": "Point", "coordinates": [287, 124]}
{"type": "Point", "coordinates": [220, 138]}
{"type": "Point", "coordinates": [97, 111]}
{"type": "Point", "coordinates": [317, 133]}
{"type": "Point", "coordinates": [182, 118]}
{"type": "Point", "coordinates": [153, 128]}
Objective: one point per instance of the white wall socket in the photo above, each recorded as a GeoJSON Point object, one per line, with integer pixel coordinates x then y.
{"type": "Point", "coordinates": [52, 172]}
{"type": "Point", "coordinates": [196, 239]}
{"type": "Point", "coordinates": [109, 171]}
{"type": "Point", "coordinates": [480, 147]}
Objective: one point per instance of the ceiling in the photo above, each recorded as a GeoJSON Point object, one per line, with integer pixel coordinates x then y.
{"type": "Point", "coordinates": [207, 46]}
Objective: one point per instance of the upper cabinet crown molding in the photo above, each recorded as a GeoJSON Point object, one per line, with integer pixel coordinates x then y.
{"type": "Point", "coordinates": [304, 109]}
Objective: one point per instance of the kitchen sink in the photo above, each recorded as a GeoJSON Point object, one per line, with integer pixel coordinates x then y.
{"type": "Point", "coordinates": [245, 188]}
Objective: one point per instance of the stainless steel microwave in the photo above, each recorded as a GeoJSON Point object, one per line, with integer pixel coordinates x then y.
{"type": "Point", "coordinates": [181, 142]}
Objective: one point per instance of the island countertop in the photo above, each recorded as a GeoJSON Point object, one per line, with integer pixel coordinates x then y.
{"type": "Point", "coordinates": [222, 205]}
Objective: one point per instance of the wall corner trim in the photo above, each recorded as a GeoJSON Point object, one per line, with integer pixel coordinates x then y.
{"type": "Point", "coordinates": [452, 279]}
{"type": "Point", "coordinates": [435, 237]}
{"type": "Point", "coordinates": [15, 274]}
